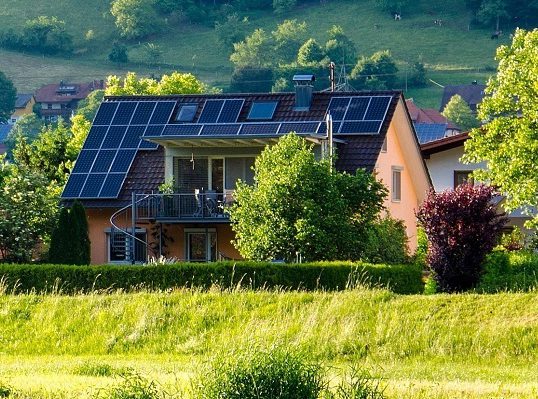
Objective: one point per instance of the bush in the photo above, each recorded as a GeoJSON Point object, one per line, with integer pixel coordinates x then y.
{"type": "Point", "coordinates": [462, 226]}
{"type": "Point", "coordinates": [257, 373]}
{"type": "Point", "coordinates": [402, 279]}
{"type": "Point", "coordinates": [118, 53]}
{"type": "Point", "coordinates": [510, 271]}
{"type": "Point", "coordinates": [387, 242]}
{"type": "Point", "coordinates": [357, 384]}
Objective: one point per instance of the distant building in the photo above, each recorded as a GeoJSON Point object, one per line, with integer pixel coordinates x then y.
{"type": "Point", "coordinates": [61, 99]}
{"type": "Point", "coordinates": [429, 123]}
{"type": "Point", "coordinates": [472, 94]}
{"type": "Point", "coordinates": [24, 105]}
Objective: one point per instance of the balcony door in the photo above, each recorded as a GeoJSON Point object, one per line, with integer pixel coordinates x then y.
{"type": "Point", "coordinates": [199, 174]}
{"type": "Point", "coordinates": [200, 245]}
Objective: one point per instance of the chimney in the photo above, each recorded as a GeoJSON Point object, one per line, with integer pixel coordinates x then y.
{"type": "Point", "coordinates": [304, 86]}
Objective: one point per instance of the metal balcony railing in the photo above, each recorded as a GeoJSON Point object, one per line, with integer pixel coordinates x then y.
{"type": "Point", "coordinates": [178, 207]}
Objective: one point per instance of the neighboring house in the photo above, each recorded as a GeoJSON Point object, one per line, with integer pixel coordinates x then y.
{"type": "Point", "coordinates": [61, 99]}
{"type": "Point", "coordinates": [4, 132]}
{"type": "Point", "coordinates": [429, 123]}
{"type": "Point", "coordinates": [447, 171]}
{"type": "Point", "coordinates": [24, 105]}
{"type": "Point", "coordinates": [205, 143]}
{"type": "Point", "coordinates": [472, 94]}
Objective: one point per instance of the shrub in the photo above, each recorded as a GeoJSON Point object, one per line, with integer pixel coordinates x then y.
{"type": "Point", "coordinates": [357, 384]}
{"type": "Point", "coordinates": [462, 226]}
{"type": "Point", "coordinates": [70, 243]}
{"type": "Point", "coordinates": [510, 271]}
{"type": "Point", "coordinates": [387, 242]}
{"type": "Point", "coordinates": [118, 53]}
{"type": "Point", "coordinates": [402, 279]}
{"type": "Point", "coordinates": [257, 373]}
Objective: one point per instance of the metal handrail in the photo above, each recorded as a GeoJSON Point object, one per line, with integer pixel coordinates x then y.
{"type": "Point", "coordinates": [202, 205]}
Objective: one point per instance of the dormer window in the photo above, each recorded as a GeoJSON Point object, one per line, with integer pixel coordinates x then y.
{"type": "Point", "coordinates": [262, 110]}
{"type": "Point", "coordinates": [186, 112]}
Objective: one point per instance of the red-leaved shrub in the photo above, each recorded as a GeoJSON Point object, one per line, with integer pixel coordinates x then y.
{"type": "Point", "coordinates": [462, 226]}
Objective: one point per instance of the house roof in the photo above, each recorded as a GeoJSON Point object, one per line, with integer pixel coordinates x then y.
{"type": "Point", "coordinates": [360, 123]}
{"type": "Point", "coordinates": [4, 131]}
{"type": "Point", "coordinates": [22, 100]}
{"type": "Point", "coordinates": [443, 144]}
{"type": "Point", "coordinates": [427, 115]}
{"type": "Point", "coordinates": [427, 132]}
{"type": "Point", "coordinates": [472, 94]}
{"type": "Point", "coordinates": [66, 92]}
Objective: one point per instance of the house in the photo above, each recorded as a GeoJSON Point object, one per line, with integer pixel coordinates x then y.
{"type": "Point", "coordinates": [24, 105]}
{"type": "Point", "coordinates": [442, 158]}
{"type": "Point", "coordinates": [472, 94]}
{"type": "Point", "coordinates": [4, 132]}
{"type": "Point", "coordinates": [429, 123]}
{"type": "Point", "coordinates": [61, 99]}
{"type": "Point", "coordinates": [205, 143]}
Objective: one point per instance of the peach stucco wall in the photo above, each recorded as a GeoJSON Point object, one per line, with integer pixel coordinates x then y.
{"type": "Point", "coordinates": [402, 152]}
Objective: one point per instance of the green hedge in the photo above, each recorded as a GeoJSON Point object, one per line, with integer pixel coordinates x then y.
{"type": "Point", "coordinates": [510, 271]}
{"type": "Point", "coordinates": [403, 279]}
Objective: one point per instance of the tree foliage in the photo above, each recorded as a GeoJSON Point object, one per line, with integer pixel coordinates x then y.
{"type": "Point", "coordinates": [46, 34]}
{"type": "Point", "coordinates": [135, 18]}
{"type": "Point", "coordinates": [459, 112]}
{"type": "Point", "coordinates": [231, 30]}
{"type": "Point", "coordinates": [393, 5]}
{"type": "Point", "coordinates": [378, 72]}
{"type": "Point", "coordinates": [8, 95]}
{"type": "Point", "coordinates": [508, 140]}
{"type": "Point", "coordinates": [298, 205]}
{"type": "Point", "coordinates": [175, 83]}
{"type": "Point", "coordinates": [118, 53]}
{"type": "Point", "coordinates": [70, 244]}
{"type": "Point", "coordinates": [254, 51]}
{"type": "Point", "coordinates": [339, 47]}
{"type": "Point", "coordinates": [310, 54]}
{"type": "Point", "coordinates": [462, 226]}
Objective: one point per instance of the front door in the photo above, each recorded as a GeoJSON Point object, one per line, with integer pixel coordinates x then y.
{"type": "Point", "coordinates": [201, 245]}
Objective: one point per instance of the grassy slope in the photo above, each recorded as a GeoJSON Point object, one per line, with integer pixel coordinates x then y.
{"type": "Point", "coordinates": [436, 346]}
{"type": "Point", "coordinates": [451, 47]}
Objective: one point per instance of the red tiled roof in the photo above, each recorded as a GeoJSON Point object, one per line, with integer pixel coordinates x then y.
{"type": "Point", "coordinates": [427, 115]}
{"type": "Point", "coordinates": [50, 94]}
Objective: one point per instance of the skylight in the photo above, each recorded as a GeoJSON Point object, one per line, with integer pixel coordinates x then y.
{"type": "Point", "coordinates": [186, 112]}
{"type": "Point", "coordinates": [262, 110]}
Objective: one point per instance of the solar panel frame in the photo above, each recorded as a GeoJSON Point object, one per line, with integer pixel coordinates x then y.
{"type": "Point", "coordinates": [230, 110]}
{"type": "Point", "coordinates": [298, 127]}
{"type": "Point", "coordinates": [360, 127]}
{"type": "Point", "coordinates": [124, 113]}
{"type": "Point", "coordinates": [211, 111]}
{"type": "Point", "coordinates": [357, 112]}
{"type": "Point", "coordinates": [154, 130]}
{"type": "Point", "coordinates": [338, 107]}
{"type": "Point", "coordinates": [146, 145]}
{"type": "Point", "coordinates": [105, 113]}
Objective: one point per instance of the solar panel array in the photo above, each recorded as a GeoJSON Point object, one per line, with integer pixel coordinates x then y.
{"type": "Point", "coordinates": [112, 144]}
{"type": "Point", "coordinates": [427, 132]}
{"type": "Point", "coordinates": [120, 128]}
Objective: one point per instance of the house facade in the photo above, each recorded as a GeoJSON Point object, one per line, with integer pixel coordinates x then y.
{"type": "Point", "coordinates": [202, 144]}
{"type": "Point", "coordinates": [24, 105]}
{"type": "Point", "coordinates": [61, 99]}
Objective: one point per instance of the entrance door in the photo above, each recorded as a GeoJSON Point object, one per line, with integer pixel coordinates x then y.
{"type": "Point", "coordinates": [201, 245]}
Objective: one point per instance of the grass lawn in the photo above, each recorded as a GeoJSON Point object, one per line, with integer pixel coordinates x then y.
{"type": "Point", "coordinates": [442, 346]}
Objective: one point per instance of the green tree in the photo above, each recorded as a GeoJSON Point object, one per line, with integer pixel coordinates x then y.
{"type": "Point", "coordinates": [508, 139]}
{"type": "Point", "coordinates": [8, 95]}
{"type": "Point", "coordinates": [175, 83]}
{"type": "Point", "coordinates": [393, 5]}
{"type": "Point", "coordinates": [231, 30]}
{"type": "Point", "coordinates": [61, 239]}
{"type": "Point", "coordinates": [310, 54]}
{"type": "Point", "coordinates": [81, 240]}
{"type": "Point", "coordinates": [88, 107]}
{"type": "Point", "coordinates": [378, 72]}
{"type": "Point", "coordinates": [135, 18]}
{"type": "Point", "coordinates": [417, 75]}
{"type": "Point", "coordinates": [118, 53]}
{"type": "Point", "coordinates": [254, 51]}
{"type": "Point", "coordinates": [47, 34]}
{"type": "Point", "coordinates": [28, 205]}
{"type": "Point", "coordinates": [339, 47]}
{"type": "Point", "coordinates": [298, 204]}
{"type": "Point", "coordinates": [287, 38]}
{"type": "Point", "coordinates": [458, 111]}
{"type": "Point", "coordinates": [491, 11]}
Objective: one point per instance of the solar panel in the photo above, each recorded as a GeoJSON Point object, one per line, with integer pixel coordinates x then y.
{"type": "Point", "coordinates": [162, 113]}
{"type": "Point", "coordinates": [93, 186]}
{"type": "Point", "coordinates": [146, 145]}
{"type": "Point", "coordinates": [103, 161]}
{"type": "Point", "coordinates": [182, 130]}
{"type": "Point", "coordinates": [377, 108]}
{"type": "Point", "coordinates": [153, 130]}
{"type": "Point", "coordinates": [105, 113]}
{"type": "Point", "coordinates": [112, 185]}
{"type": "Point", "coordinates": [230, 111]}
{"type": "Point", "coordinates": [259, 128]}
{"type": "Point", "coordinates": [123, 161]}
{"type": "Point", "coordinates": [95, 137]}
{"type": "Point", "coordinates": [74, 185]}
{"type": "Point", "coordinates": [298, 127]}
{"type": "Point", "coordinates": [221, 130]}
{"type": "Point", "coordinates": [143, 112]}
{"type": "Point", "coordinates": [337, 107]}
{"type": "Point", "coordinates": [124, 113]}
{"type": "Point", "coordinates": [262, 110]}
{"type": "Point", "coordinates": [323, 128]}
{"type": "Point", "coordinates": [84, 161]}
{"type": "Point", "coordinates": [132, 137]}
{"type": "Point", "coordinates": [211, 111]}
{"type": "Point", "coordinates": [427, 132]}
{"type": "Point", "coordinates": [114, 137]}
{"type": "Point", "coordinates": [357, 108]}
{"type": "Point", "coordinates": [360, 127]}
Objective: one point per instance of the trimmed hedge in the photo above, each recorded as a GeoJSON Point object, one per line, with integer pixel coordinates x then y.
{"type": "Point", "coordinates": [402, 279]}
{"type": "Point", "coordinates": [510, 271]}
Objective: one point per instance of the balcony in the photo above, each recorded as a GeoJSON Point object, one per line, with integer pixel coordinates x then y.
{"type": "Point", "coordinates": [199, 207]}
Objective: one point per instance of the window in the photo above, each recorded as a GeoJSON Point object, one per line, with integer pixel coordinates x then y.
{"type": "Point", "coordinates": [396, 184]}
{"type": "Point", "coordinates": [119, 246]}
{"type": "Point", "coordinates": [262, 110]}
{"type": "Point", "coordinates": [186, 112]}
{"type": "Point", "coordinates": [462, 176]}
{"type": "Point", "coordinates": [201, 245]}
{"type": "Point", "coordinates": [239, 168]}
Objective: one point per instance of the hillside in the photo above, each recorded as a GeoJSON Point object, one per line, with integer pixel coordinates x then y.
{"type": "Point", "coordinates": [451, 52]}
{"type": "Point", "coordinates": [441, 346]}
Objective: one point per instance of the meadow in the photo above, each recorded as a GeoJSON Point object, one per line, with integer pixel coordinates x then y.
{"type": "Point", "coordinates": [454, 52]}
{"type": "Point", "coordinates": [437, 346]}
